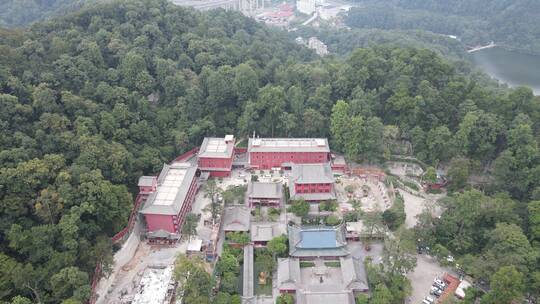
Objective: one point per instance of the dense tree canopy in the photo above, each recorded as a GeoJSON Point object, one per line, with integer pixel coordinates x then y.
{"type": "Point", "coordinates": [509, 23]}
{"type": "Point", "coordinates": [93, 100]}
{"type": "Point", "coordinates": [23, 12]}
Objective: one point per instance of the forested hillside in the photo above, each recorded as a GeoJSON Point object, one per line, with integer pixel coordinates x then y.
{"type": "Point", "coordinates": [91, 101]}
{"type": "Point", "coordinates": [507, 22]}
{"type": "Point", "coordinates": [343, 42]}
{"type": "Point", "coordinates": [16, 13]}
{"type": "Point", "coordinates": [78, 128]}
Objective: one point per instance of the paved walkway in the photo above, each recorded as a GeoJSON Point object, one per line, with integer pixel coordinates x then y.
{"type": "Point", "coordinates": [248, 284]}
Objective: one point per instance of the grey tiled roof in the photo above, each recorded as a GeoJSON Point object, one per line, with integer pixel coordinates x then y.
{"type": "Point", "coordinates": [174, 182]}
{"type": "Point", "coordinates": [216, 147]}
{"type": "Point", "coordinates": [326, 297]}
{"type": "Point", "coordinates": [265, 190]}
{"type": "Point", "coordinates": [288, 145]}
{"type": "Point", "coordinates": [312, 173]}
{"type": "Point", "coordinates": [146, 181]}
{"type": "Point", "coordinates": [288, 273]}
{"type": "Point", "coordinates": [236, 218]}
{"type": "Point", "coordinates": [263, 232]}
{"type": "Point", "coordinates": [354, 274]}
{"type": "Point", "coordinates": [339, 160]}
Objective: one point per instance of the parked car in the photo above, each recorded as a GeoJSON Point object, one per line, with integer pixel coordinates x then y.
{"type": "Point", "coordinates": [430, 299]}
{"type": "Point", "coordinates": [435, 291]}
{"type": "Point", "coordinates": [439, 286]}
{"type": "Point", "coordinates": [439, 281]}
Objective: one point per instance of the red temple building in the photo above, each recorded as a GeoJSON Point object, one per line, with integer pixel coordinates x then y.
{"type": "Point", "coordinates": [265, 194]}
{"type": "Point", "coordinates": [147, 184]}
{"type": "Point", "coordinates": [166, 208]}
{"type": "Point", "coordinates": [312, 182]}
{"type": "Point", "coordinates": [268, 153]}
{"type": "Point", "coordinates": [216, 155]}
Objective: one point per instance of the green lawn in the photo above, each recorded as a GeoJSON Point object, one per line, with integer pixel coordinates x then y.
{"type": "Point", "coordinates": [332, 264]}
{"type": "Point", "coordinates": [305, 264]}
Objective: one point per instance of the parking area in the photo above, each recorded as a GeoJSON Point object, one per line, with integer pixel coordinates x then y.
{"type": "Point", "coordinates": [427, 269]}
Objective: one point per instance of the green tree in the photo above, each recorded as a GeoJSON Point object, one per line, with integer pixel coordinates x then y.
{"type": "Point", "coordinates": [458, 173]}
{"type": "Point", "coordinates": [195, 284]}
{"type": "Point", "coordinates": [430, 176]}
{"type": "Point", "coordinates": [300, 208]}
{"type": "Point", "coordinates": [229, 282]}
{"type": "Point", "coordinates": [534, 220]}
{"type": "Point", "coordinates": [227, 263]}
{"type": "Point", "coordinates": [20, 300]}
{"type": "Point", "coordinates": [285, 299]}
{"type": "Point", "coordinates": [339, 124]}
{"type": "Point", "coordinates": [264, 262]}
{"type": "Point", "coordinates": [399, 255]}
{"type": "Point", "coordinates": [245, 82]}
{"type": "Point", "coordinates": [241, 238]}
{"type": "Point", "coordinates": [381, 295]}
{"type": "Point", "coordinates": [222, 298]}
{"type": "Point", "coordinates": [506, 286]}
{"type": "Point", "coordinates": [332, 220]}
{"type": "Point", "coordinates": [212, 190]}
{"type": "Point", "coordinates": [71, 282]}
{"type": "Point", "coordinates": [189, 228]}
{"type": "Point", "coordinates": [278, 246]}
{"type": "Point", "coordinates": [508, 246]}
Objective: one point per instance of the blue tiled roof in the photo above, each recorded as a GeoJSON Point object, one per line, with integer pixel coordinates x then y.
{"type": "Point", "coordinates": [317, 239]}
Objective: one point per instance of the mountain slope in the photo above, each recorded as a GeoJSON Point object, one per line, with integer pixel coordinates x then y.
{"type": "Point", "coordinates": [509, 23]}
{"type": "Point", "coordinates": [16, 13]}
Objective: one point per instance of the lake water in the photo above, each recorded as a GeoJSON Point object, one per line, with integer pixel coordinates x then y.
{"type": "Point", "coordinates": [510, 67]}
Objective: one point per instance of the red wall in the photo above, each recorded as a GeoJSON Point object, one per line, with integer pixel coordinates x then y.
{"type": "Point", "coordinates": [268, 160]}
{"type": "Point", "coordinates": [313, 188]}
{"type": "Point", "coordinates": [155, 222]}
{"type": "Point", "coordinates": [220, 173]}
{"type": "Point", "coordinates": [146, 189]}
{"type": "Point", "coordinates": [215, 162]}
{"type": "Point", "coordinates": [172, 223]}
{"type": "Point", "coordinates": [263, 201]}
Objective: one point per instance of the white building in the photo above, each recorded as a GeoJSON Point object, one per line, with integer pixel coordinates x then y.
{"type": "Point", "coordinates": [307, 7]}
{"type": "Point", "coordinates": [320, 48]}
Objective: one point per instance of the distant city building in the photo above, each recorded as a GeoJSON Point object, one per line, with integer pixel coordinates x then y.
{"type": "Point", "coordinates": [307, 7]}
{"type": "Point", "coordinates": [281, 17]}
{"type": "Point", "coordinates": [312, 182]}
{"type": "Point", "coordinates": [320, 48]}
{"type": "Point", "coordinates": [165, 209]}
{"type": "Point", "coordinates": [268, 153]}
{"type": "Point", "coordinates": [265, 194]}
{"type": "Point", "coordinates": [216, 155]}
